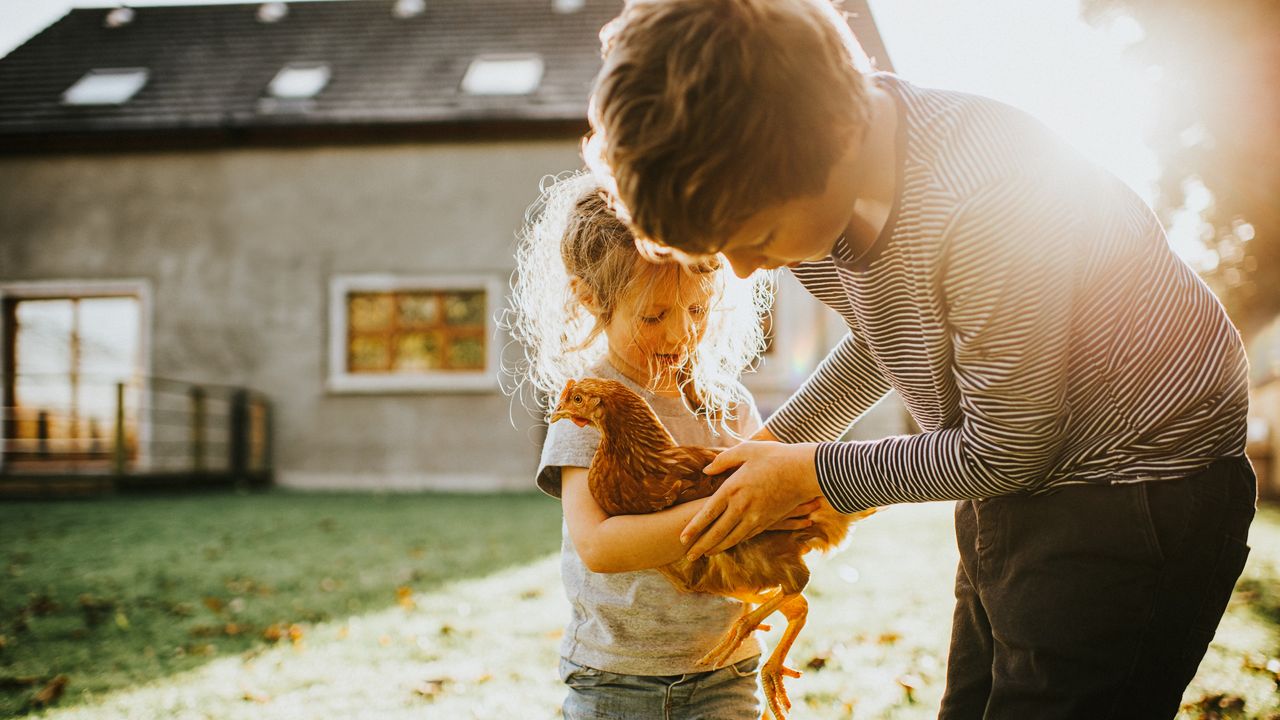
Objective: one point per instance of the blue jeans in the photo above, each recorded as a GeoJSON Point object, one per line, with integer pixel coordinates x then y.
{"type": "Point", "coordinates": [725, 694]}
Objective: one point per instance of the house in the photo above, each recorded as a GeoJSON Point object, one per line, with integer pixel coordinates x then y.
{"type": "Point", "coordinates": [316, 200]}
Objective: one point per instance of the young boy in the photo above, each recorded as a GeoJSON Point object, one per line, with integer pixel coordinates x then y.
{"type": "Point", "coordinates": [1081, 391]}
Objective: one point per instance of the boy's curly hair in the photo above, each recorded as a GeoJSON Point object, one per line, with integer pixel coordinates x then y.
{"type": "Point", "coordinates": [707, 111]}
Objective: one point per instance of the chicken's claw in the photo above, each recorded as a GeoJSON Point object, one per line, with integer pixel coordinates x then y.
{"type": "Point", "coordinates": [731, 641]}
{"type": "Point", "coordinates": [775, 693]}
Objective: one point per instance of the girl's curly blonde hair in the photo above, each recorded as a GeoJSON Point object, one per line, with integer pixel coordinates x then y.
{"type": "Point", "coordinates": [571, 232]}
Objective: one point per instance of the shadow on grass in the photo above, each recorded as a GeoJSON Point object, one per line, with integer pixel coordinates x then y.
{"type": "Point", "coordinates": [112, 593]}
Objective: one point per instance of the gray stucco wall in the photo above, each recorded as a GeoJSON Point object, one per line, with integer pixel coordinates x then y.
{"type": "Point", "coordinates": [238, 248]}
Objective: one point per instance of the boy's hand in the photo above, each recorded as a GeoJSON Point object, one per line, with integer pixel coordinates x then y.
{"type": "Point", "coordinates": [772, 480]}
{"type": "Point", "coordinates": [798, 518]}
{"type": "Point", "coordinates": [765, 434]}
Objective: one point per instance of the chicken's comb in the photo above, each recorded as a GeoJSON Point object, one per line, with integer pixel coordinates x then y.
{"type": "Point", "coordinates": [568, 387]}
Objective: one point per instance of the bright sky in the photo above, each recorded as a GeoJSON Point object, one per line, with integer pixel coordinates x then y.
{"type": "Point", "coordinates": [1039, 56]}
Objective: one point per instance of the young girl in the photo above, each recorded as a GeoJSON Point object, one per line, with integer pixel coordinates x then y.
{"type": "Point", "coordinates": [586, 304]}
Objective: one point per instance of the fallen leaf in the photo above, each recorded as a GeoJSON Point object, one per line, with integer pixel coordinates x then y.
{"type": "Point", "coordinates": [909, 684]}
{"type": "Point", "coordinates": [1217, 706]}
{"type": "Point", "coordinates": [429, 689]}
{"type": "Point", "coordinates": [295, 634]}
{"type": "Point", "coordinates": [273, 633]}
{"type": "Point", "coordinates": [531, 594]}
{"type": "Point", "coordinates": [233, 629]}
{"type": "Point", "coordinates": [203, 631]}
{"type": "Point", "coordinates": [19, 682]}
{"type": "Point", "coordinates": [251, 695]}
{"type": "Point", "coordinates": [888, 638]}
{"type": "Point", "coordinates": [41, 605]}
{"type": "Point", "coordinates": [95, 609]}
{"type": "Point", "coordinates": [182, 609]}
{"type": "Point", "coordinates": [50, 693]}
{"type": "Point", "coordinates": [404, 596]}
{"type": "Point", "coordinates": [214, 603]}
{"type": "Point", "coordinates": [817, 662]}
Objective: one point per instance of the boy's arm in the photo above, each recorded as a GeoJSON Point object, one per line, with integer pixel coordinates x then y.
{"type": "Point", "coordinates": [622, 543]}
{"type": "Point", "coordinates": [1010, 282]}
{"type": "Point", "coordinates": [845, 384]}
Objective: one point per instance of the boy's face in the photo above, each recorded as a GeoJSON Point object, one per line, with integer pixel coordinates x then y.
{"type": "Point", "coordinates": [800, 229]}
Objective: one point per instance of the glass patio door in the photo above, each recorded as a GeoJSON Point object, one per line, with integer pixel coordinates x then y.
{"type": "Point", "coordinates": [64, 359]}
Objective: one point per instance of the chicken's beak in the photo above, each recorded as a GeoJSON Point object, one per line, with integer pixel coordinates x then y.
{"type": "Point", "coordinates": [559, 415]}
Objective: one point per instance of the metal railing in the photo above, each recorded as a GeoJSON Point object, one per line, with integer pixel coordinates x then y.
{"type": "Point", "coordinates": [125, 433]}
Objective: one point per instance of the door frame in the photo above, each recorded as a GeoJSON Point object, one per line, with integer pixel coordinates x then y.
{"type": "Point", "coordinates": [139, 288]}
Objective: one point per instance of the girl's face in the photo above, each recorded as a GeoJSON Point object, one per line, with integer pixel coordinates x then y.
{"type": "Point", "coordinates": [653, 334]}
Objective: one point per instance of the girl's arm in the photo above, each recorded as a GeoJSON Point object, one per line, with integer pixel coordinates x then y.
{"type": "Point", "coordinates": [622, 543]}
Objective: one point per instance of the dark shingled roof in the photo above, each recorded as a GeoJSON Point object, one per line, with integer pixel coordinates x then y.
{"type": "Point", "coordinates": [209, 67]}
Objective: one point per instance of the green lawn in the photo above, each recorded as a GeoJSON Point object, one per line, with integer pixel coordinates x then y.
{"type": "Point", "coordinates": [118, 592]}
{"type": "Point", "coordinates": [183, 608]}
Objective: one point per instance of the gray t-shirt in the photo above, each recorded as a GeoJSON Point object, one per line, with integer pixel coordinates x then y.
{"type": "Point", "coordinates": [638, 623]}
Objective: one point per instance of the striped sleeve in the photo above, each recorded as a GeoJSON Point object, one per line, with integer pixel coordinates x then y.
{"type": "Point", "coordinates": [846, 383]}
{"type": "Point", "coordinates": [1009, 271]}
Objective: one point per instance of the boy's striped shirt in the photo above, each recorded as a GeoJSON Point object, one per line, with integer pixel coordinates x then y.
{"type": "Point", "coordinates": [1029, 311]}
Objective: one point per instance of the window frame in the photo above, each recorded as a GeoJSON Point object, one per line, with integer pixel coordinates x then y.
{"type": "Point", "coordinates": [86, 80]}
{"type": "Point", "coordinates": [59, 289]}
{"type": "Point", "coordinates": [340, 380]}
{"type": "Point", "coordinates": [473, 78]}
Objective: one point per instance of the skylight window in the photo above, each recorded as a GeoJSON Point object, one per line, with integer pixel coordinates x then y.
{"type": "Point", "coordinates": [118, 17]}
{"type": "Point", "coordinates": [271, 12]}
{"type": "Point", "coordinates": [503, 75]}
{"type": "Point", "coordinates": [298, 82]}
{"type": "Point", "coordinates": [405, 9]}
{"type": "Point", "coordinates": [106, 87]}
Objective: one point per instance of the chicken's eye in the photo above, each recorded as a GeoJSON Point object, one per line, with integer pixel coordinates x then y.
{"type": "Point", "coordinates": [577, 398]}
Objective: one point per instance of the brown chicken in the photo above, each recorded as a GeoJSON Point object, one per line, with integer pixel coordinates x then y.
{"type": "Point", "coordinates": [639, 468]}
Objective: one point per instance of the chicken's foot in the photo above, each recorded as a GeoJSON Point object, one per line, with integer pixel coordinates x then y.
{"type": "Point", "coordinates": [796, 609]}
{"type": "Point", "coordinates": [743, 628]}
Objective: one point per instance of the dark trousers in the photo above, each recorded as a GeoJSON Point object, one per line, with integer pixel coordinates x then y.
{"type": "Point", "coordinates": [1095, 601]}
